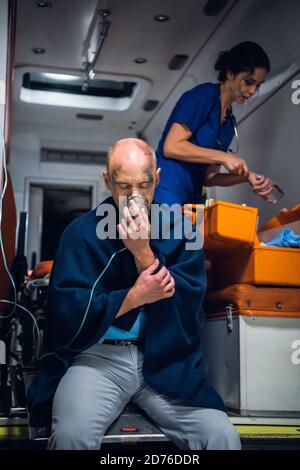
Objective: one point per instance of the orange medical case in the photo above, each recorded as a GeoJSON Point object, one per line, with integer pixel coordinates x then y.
{"type": "Point", "coordinates": [233, 246]}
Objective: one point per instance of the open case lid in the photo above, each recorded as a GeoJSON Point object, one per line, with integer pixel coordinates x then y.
{"type": "Point", "coordinates": [287, 218]}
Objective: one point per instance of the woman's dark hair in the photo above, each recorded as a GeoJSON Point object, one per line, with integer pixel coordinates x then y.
{"type": "Point", "coordinates": [243, 57]}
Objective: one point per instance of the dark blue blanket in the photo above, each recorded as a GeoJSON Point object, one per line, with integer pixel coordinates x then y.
{"type": "Point", "coordinates": [173, 362]}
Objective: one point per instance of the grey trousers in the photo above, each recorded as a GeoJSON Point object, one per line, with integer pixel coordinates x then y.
{"type": "Point", "coordinates": [100, 383]}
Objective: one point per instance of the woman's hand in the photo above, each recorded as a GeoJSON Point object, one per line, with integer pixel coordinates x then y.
{"type": "Point", "coordinates": [235, 165]}
{"type": "Point", "coordinates": [260, 184]}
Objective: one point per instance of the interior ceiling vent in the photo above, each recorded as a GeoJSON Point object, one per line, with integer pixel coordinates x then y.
{"type": "Point", "coordinates": [150, 105]}
{"type": "Point", "coordinates": [73, 156]}
{"type": "Point", "coordinates": [214, 7]}
{"type": "Point", "coordinates": [89, 117]}
{"type": "Point", "coordinates": [178, 61]}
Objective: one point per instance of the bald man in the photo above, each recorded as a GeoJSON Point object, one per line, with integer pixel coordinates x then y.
{"type": "Point", "coordinates": [124, 322]}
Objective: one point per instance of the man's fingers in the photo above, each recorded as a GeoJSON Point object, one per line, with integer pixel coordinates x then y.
{"type": "Point", "coordinates": [124, 225]}
{"type": "Point", "coordinates": [166, 280]}
{"type": "Point", "coordinates": [132, 220]}
{"type": "Point", "coordinates": [134, 209]}
{"type": "Point", "coordinates": [136, 223]}
{"type": "Point", "coordinates": [129, 224]}
{"type": "Point", "coordinates": [170, 286]}
{"type": "Point", "coordinates": [145, 217]}
{"type": "Point", "coordinates": [121, 231]}
{"type": "Point", "coordinates": [153, 267]}
{"type": "Point", "coordinates": [161, 274]}
{"type": "Point", "coordinates": [127, 216]}
{"type": "Point", "coordinates": [170, 293]}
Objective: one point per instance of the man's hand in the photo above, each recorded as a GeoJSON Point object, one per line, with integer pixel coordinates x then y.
{"type": "Point", "coordinates": [148, 288]}
{"type": "Point", "coordinates": [260, 185]}
{"type": "Point", "coordinates": [235, 165]}
{"type": "Point", "coordinates": [151, 287]}
{"type": "Point", "coordinates": [134, 229]}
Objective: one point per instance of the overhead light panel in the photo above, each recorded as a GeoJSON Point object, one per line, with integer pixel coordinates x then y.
{"type": "Point", "coordinates": [50, 89]}
{"type": "Point", "coordinates": [60, 77]}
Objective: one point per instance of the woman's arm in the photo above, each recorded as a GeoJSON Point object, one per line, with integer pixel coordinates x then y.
{"type": "Point", "coordinates": [261, 186]}
{"type": "Point", "coordinates": [215, 178]}
{"type": "Point", "coordinates": [178, 147]}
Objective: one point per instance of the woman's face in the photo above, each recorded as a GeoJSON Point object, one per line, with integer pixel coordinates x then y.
{"type": "Point", "coordinates": [245, 84]}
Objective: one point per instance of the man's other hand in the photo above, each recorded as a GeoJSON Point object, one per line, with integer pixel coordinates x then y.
{"type": "Point", "coordinates": [152, 286]}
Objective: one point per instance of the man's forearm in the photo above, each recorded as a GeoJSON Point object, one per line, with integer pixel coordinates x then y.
{"type": "Point", "coordinates": [144, 259]}
{"type": "Point", "coordinates": [224, 179]}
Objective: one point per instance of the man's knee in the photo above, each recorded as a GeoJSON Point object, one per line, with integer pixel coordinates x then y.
{"type": "Point", "coordinates": [213, 431]}
{"type": "Point", "coordinates": [222, 435]}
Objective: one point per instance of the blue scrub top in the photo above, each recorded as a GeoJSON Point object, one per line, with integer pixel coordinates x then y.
{"type": "Point", "coordinates": [200, 110]}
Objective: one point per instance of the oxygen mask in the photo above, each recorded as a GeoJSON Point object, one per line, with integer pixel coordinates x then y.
{"type": "Point", "coordinates": [139, 200]}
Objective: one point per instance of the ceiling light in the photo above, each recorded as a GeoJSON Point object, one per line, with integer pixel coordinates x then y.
{"type": "Point", "coordinates": [162, 18]}
{"type": "Point", "coordinates": [38, 50]}
{"type": "Point", "coordinates": [70, 100]}
{"type": "Point", "coordinates": [140, 60]}
{"type": "Point", "coordinates": [60, 76]}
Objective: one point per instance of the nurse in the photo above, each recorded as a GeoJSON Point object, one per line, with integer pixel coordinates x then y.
{"type": "Point", "coordinates": [196, 139]}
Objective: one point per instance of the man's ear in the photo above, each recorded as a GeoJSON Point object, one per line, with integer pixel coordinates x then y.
{"type": "Point", "coordinates": [157, 177]}
{"type": "Point", "coordinates": [106, 180]}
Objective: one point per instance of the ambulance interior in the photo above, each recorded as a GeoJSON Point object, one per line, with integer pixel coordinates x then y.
{"type": "Point", "coordinates": [78, 75]}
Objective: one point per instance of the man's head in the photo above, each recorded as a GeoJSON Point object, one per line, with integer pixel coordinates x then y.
{"type": "Point", "coordinates": [131, 167]}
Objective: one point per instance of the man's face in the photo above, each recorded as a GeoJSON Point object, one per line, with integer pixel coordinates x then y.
{"type": "Point", "coordinates": [131, 171]}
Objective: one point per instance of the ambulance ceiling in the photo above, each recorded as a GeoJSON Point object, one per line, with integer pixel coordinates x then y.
{"type": "Point", "coordinates": [61, 30]}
